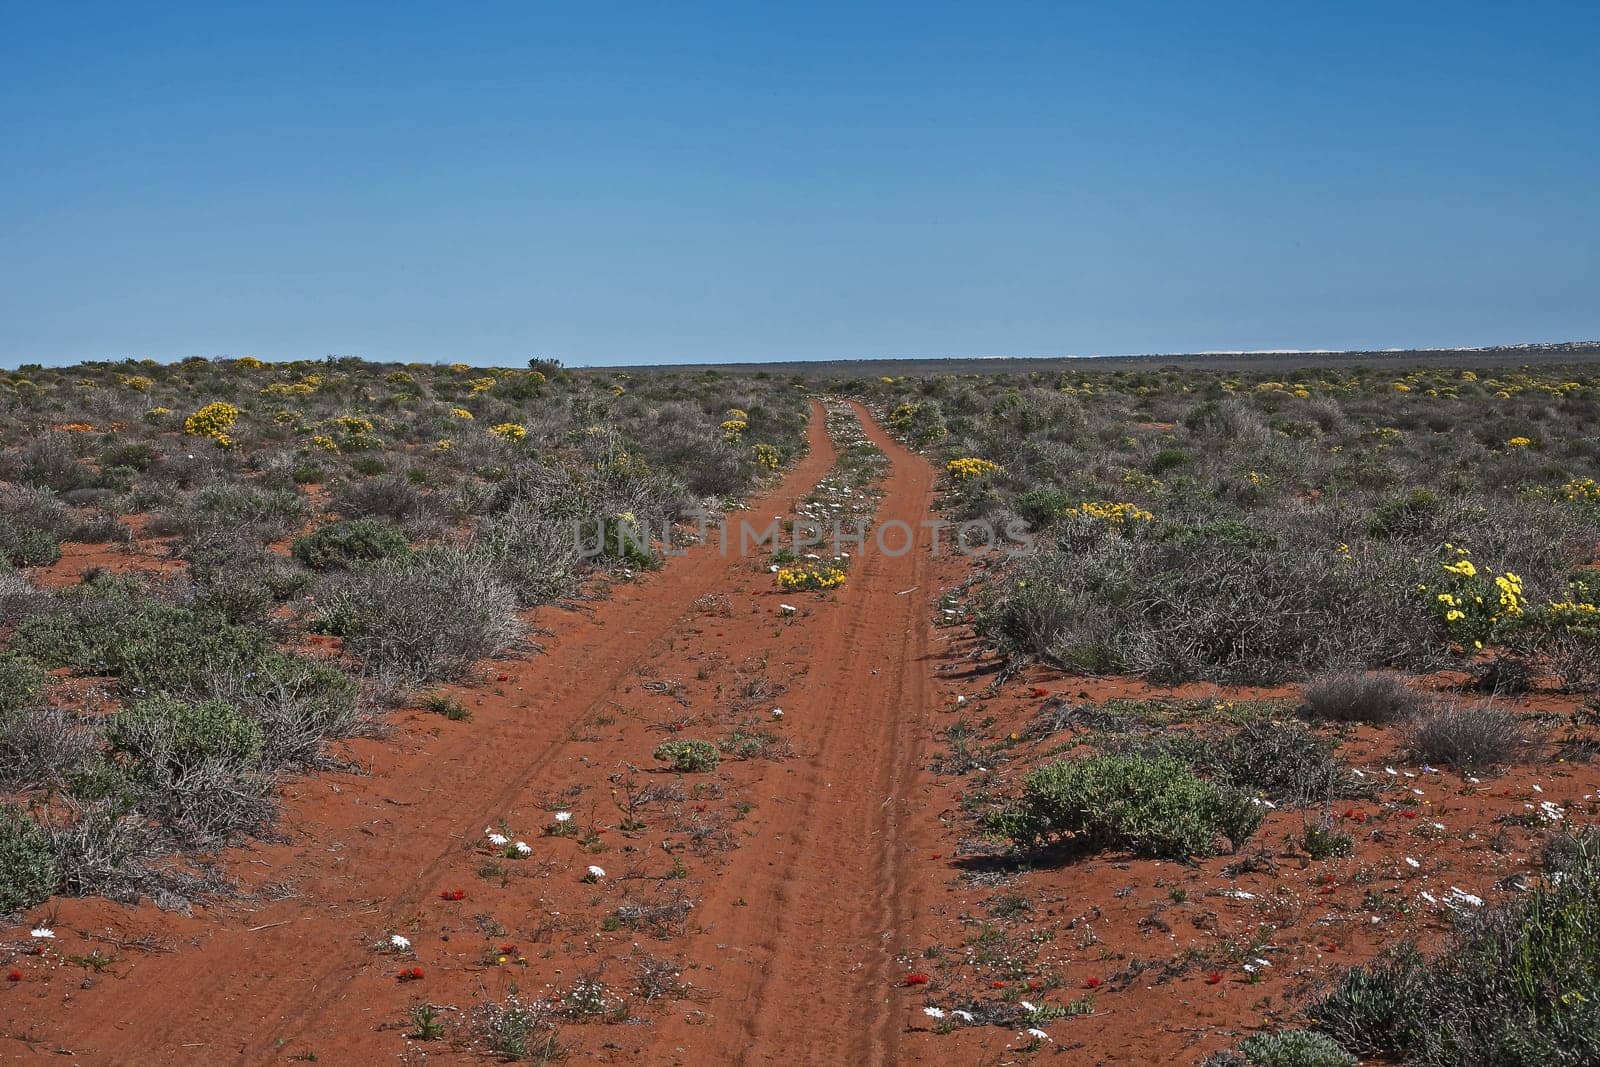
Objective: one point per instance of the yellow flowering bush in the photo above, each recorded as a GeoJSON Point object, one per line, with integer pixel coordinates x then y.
{"type": "Point", "coordinates": [304, 387]}
{"type": "Point", "coordinates": [460, 413]}
{"type": "Point", "coordinates": [1110, 511]}
{"type": "Point", "coordinates": [812, 577]}
{"type": "Point", "coordinates": [510, 431]}
{"type": "Point", "coordinates": [325, 443]}
{"type": "Point", "coordinates": [902, 414]}
{"type": "Point", "coordinates": [480, 385]}
{"type": "Point", "coordinates": [1474, 604]}
{"type": "Point", "coordinates": [213, 421]}
{"type": "Point", "coordinates": [137, 382]}
{"type": "Point", "coordinates": [766, 457]}
{"type": "Point", "coordinates": [353, 424]}
{"type": "Point", "coordinates": [733, 429]}
{"type": "Point", "coordinates": [248, 363]}
{"type": "Point", "coordinates": [970, 467]}
{"type": "Point", "coordinates": [1580, 491]}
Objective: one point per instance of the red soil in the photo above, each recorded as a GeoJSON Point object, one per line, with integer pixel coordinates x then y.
{"type": "Point", "coordinates": [818, 882]}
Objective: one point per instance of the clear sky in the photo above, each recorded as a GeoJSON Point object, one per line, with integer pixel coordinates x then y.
{"type": "Point", "coordinates": [673, 182]}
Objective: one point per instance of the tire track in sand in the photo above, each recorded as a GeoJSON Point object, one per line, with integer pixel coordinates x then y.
{"type": "Point", "coordinates": [807, 963]}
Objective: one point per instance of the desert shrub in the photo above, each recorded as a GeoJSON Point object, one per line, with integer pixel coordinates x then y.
{"type": "Point", "coordinates": [1040, 507]}
{"type": "Point", "coordinates": [1407, 516]}
{"type": "Point", "coordinates": [27, 866]}
{"type": "Point", "coordinates": [109, 625]}
{"type": "Point", "coordinates": [351, 541]}
{"type": "Point", "coordinates": [42, 746]}
{"type": "Point", "coordinates": [21, 682]}
{"type": "Point", "coordinates": [1321, 841]}
{"type": "Point", "coordinates": [27, 546]}
{"type": "Point", "coordinates": [1467, 739]}
{"type": "Point", "coordinates": [535, 555]}
{"type": "Point", "coordinates": [1156, 807]}
{"type": "Point", "coordinates": [518, 1030]}
{"type": "Point", "coordinates": [1294, 1048]}
{"type": "Point", "coordinates": [1517, 985]}
{"type": "Point", "coordinates": [447, 706]}
{"type": "Point", "coordinates": [228, 512]}
{"type": "Point", "coordinates": [389, 497]}
{"type": "Point", "coordinates": [427, 617]}
{"type": "Point", "coordinates": [1354, 696]}
{"type": "Point", "coordinates": [205, 804]}
{"type": "Point", "coordinates": [165, 730]}
{"type": "Point", "coordinates": [298, 704]}
{"type": "Point", "coordinates": [1284, 760]}
{"type": "Point", "coordinates": [689, 755]}
{"type": "Point", "coordinates": [244, 584]}
{"type": "Point", "coordinates": [1216, 609]}
{"type": "Point", "coordinates": [48, 462]}
{"type": "Point", "coordinates": [18, 596]}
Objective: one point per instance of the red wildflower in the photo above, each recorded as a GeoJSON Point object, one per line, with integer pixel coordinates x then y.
{"type": "Point", "coordinates": [1040, 691]}
{"type": "Point", "coordinates": [1409, 813]}
{"type": "Point", "coordinates": [916, 979]}
{"type": "Point", "coordinates": [997, 984]}
{"type": "Point", "coordinates": [14, 976]}
{"type": "Point", "coordinates": [1213, 978]}
{"type": "Point", "coordinates": [453, 894]}
{"type": "Point", "coordinates": [410, 975]}
{"type": "Point", "coordinates": [504, 678]}
{"type": "Point", "coordinates": [1091, 983]}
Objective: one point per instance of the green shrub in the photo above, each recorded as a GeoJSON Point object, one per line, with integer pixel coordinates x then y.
{"type": "Point", "coordinates": [27, 865]}
{"type": "Point", "coordinates": [1040, 507]}
{"type": "Point", "coordinates": [1322, 841]}
{"type": "Point", "coordinates": [109, 626]}
{"type": "Point", "coordinates": [182, 733]}
{"type": "Point", "coordinates": [27, 546]}
{"type": "Point", "coordinates": [1294, 1048]}
{"type": "Point", "coordinates": [448, 706]}
{"type": "Point", "coordinates": [1406, 516]}
{"type": "Point", "coordinates": [1517, 986]}
{"type": "Point", "coordinates": [348, 542]}
{"type": "Point", "coordinates": [21, 682]}
{"type": "Point", "coordinates": [688, 755]}
{"type": "Point", "coordinates": [1155, 807]}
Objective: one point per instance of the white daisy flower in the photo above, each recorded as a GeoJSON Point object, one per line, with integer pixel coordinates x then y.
{"type": "Point", "coordinates": [398, 943]}
{"type": "Point", "coordinates": [777, 713]}
{"type": "Point", "coordinates": [1026, 1006]}
{"type": "Point", "coordinates": [933, 1013]}
{"type": "Point", "coordinates": [43, 932]}
{"type": "Point", "coordinates": [1413, 864]}
{"type": "Point", "coordinates": [964, 1016]}
{"type": "Point", "coordinates": [1035, 1032]}
{"type": "Point", "coordinates": [499, 840]}
{"type": "Point", "coordinates": [523, 848]}
{"type": "Point", "coordinates": [596, 872]}
{"type": "Point", "coordinates": [563, 816]}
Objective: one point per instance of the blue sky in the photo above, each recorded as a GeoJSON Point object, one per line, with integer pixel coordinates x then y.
{"type": "Point", "coordinates": [690, 182]}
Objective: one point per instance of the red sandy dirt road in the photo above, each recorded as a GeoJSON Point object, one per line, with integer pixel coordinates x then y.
{"type": "Point", "coordinates": [790, 951]}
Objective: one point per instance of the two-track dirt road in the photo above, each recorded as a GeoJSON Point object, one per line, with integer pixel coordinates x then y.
{"type": "Point", "coordinates": [796, 869]}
